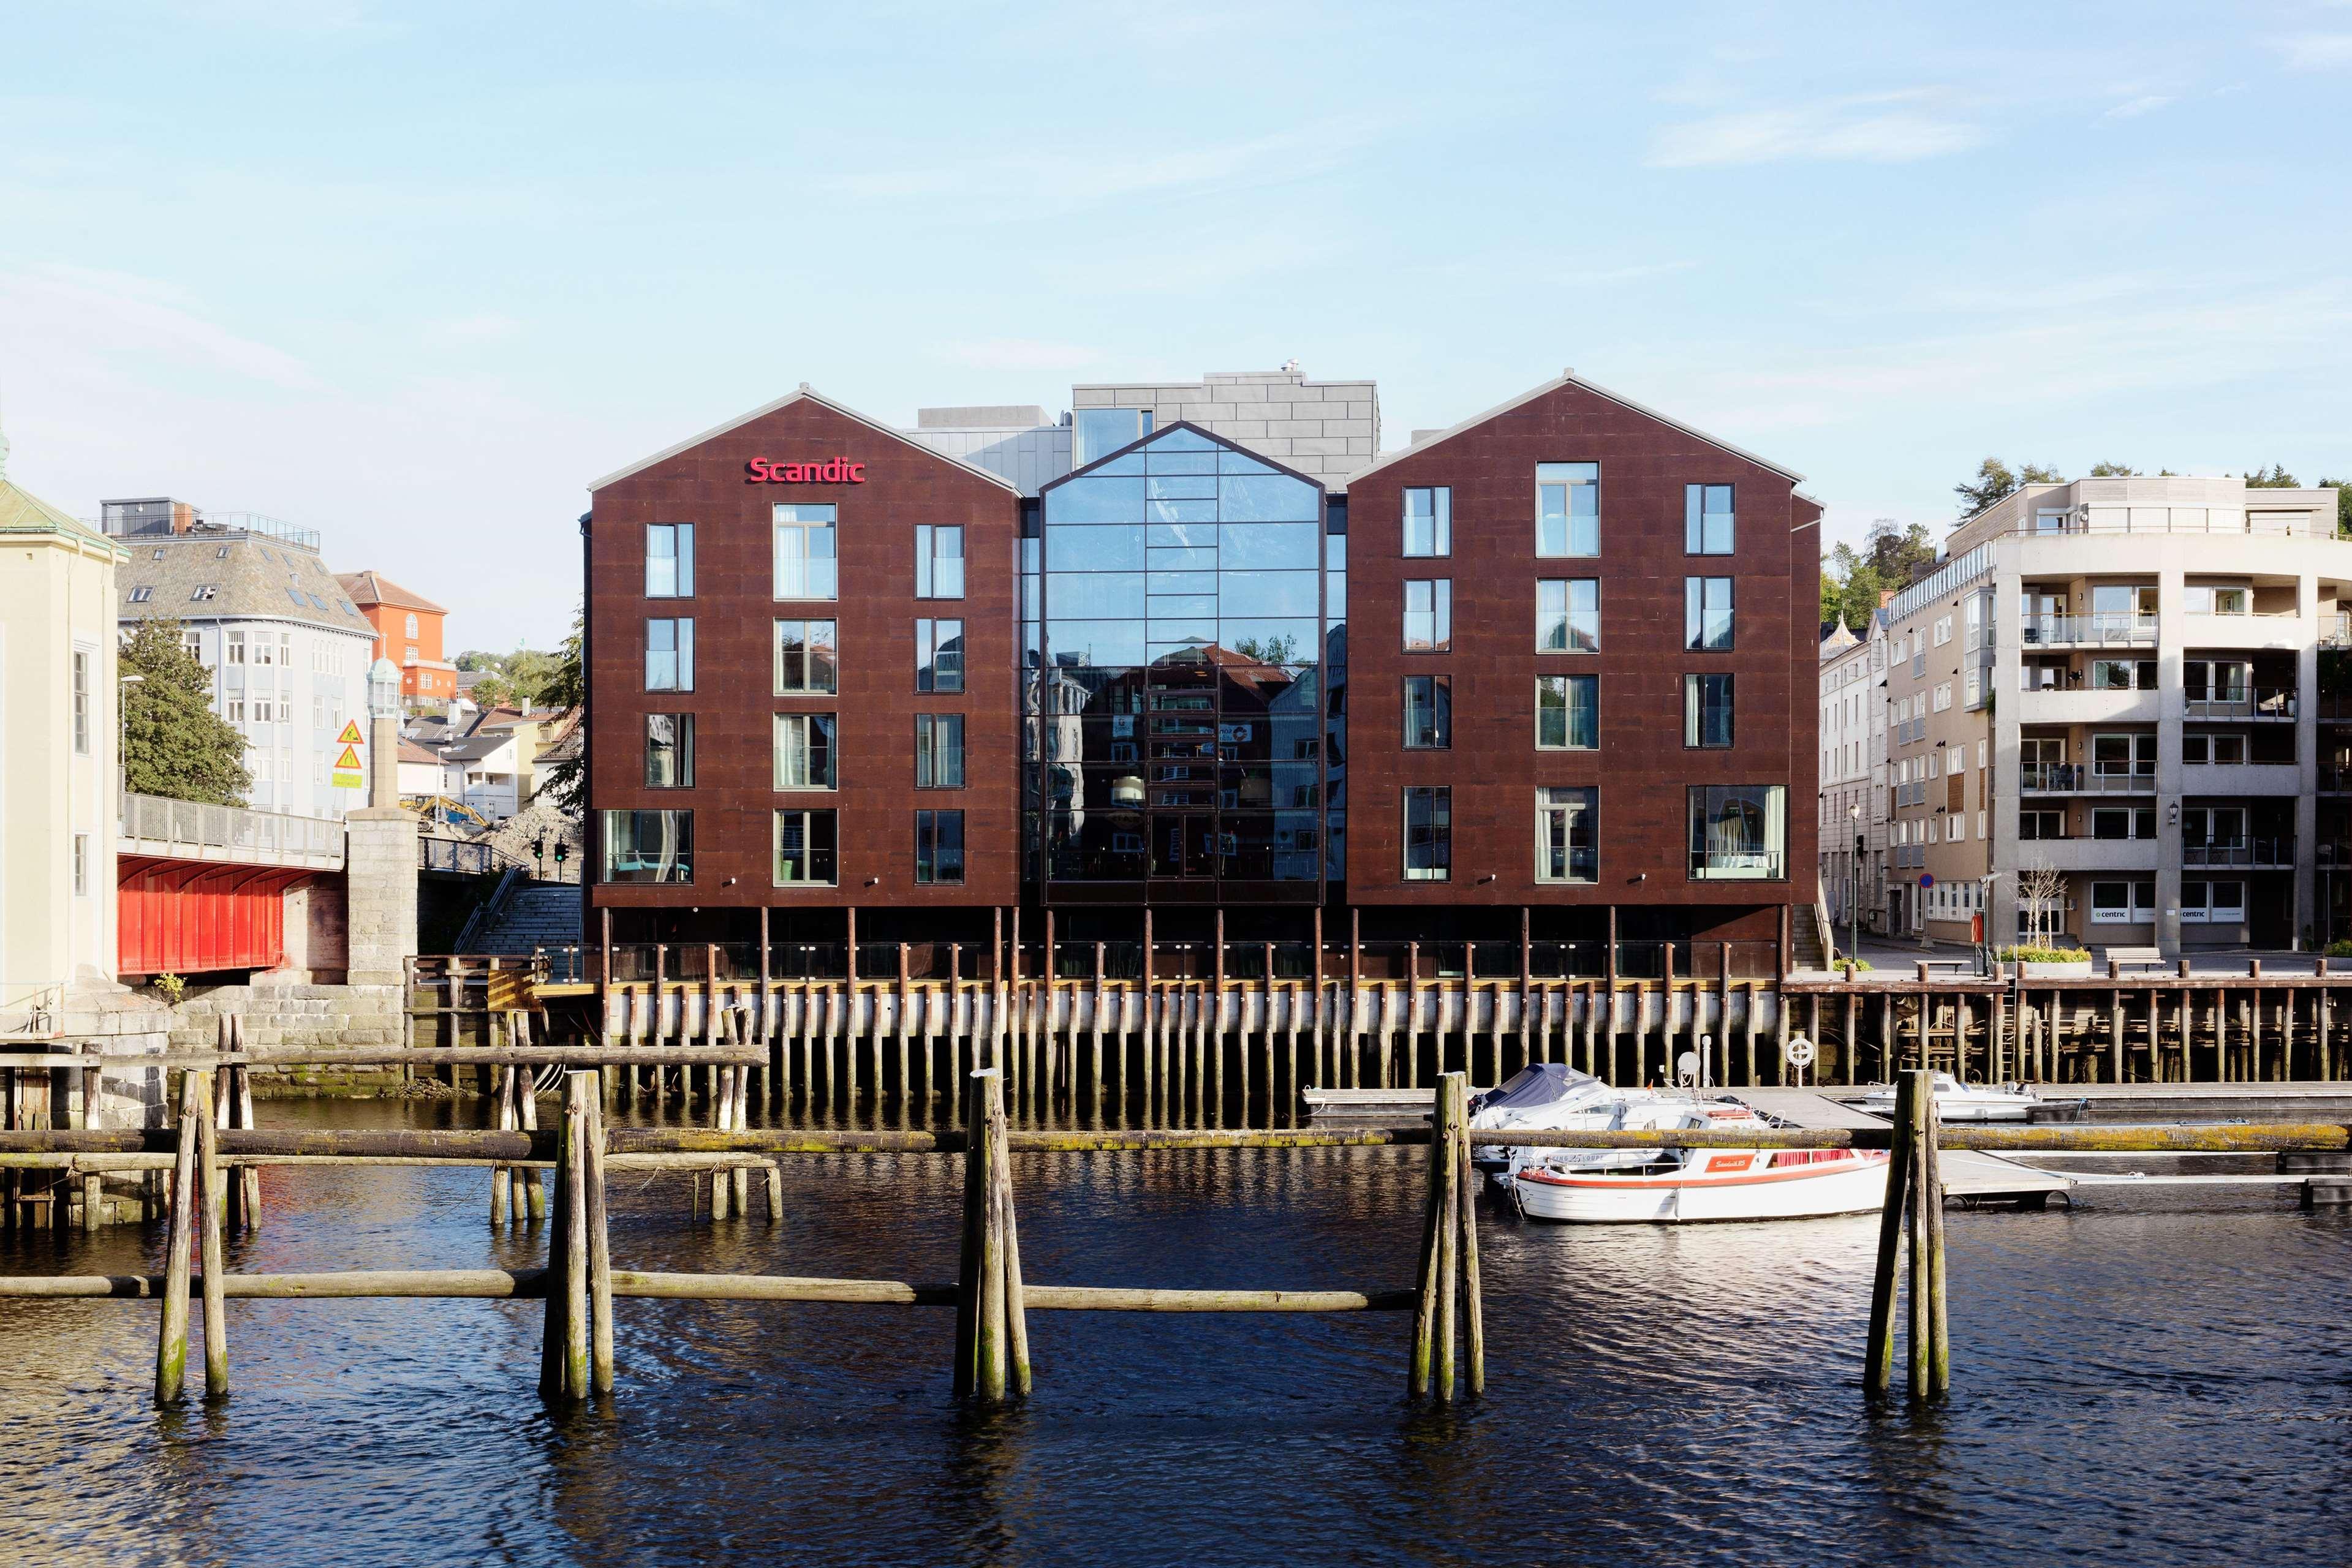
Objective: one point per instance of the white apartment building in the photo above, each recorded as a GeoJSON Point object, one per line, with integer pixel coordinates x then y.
{"type": "Point", "coordinates": [2105, 709]}
{"type": "Point", "coordinates": [287, 651]}
{"type": "Point", "coordinates": [1854, 776]}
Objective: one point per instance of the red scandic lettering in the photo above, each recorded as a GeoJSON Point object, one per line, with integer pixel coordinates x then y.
{"type": "Point", "coordinates": [858, 473]}
{"type": "Point", "coordinates": [758, 470]}
{"type": "Point", "coordinates": [795, 474]}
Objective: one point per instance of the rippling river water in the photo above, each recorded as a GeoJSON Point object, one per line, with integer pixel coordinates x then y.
{"type": "Point", "coordinates": [2161, 1375]}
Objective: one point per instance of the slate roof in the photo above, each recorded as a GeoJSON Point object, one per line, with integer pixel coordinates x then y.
{"type": "Point", "coordinates": [248, 576]}
{"type": "Point", "coordinates": [366, 588]}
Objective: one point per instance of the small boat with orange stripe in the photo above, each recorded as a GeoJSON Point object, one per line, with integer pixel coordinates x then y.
{"type": "Point", "coordinates": [1669, 1187]}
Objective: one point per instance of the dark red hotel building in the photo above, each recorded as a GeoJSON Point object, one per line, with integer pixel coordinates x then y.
{"type": "Point", "coordinates": [1549, 672]}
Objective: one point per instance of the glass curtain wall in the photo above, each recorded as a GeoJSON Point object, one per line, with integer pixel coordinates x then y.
{"type": "Point", "coordinates": [1178, 725]}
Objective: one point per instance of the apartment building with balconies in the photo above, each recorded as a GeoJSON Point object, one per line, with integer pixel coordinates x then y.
{"type": "Point", "coordinates": [1853, 806]}
{"type": "Point", "coordinates": [2105, 718]}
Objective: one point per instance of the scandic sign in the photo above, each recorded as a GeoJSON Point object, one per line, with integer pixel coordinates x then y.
{"type": "Point", "coordinates": [826, 471]}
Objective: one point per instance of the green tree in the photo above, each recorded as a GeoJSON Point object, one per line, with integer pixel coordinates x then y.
{"type": "Point", "coordinates": [567, 691]}
{"type": "Point", "coordinates": [2112, 471]}
{"type": "Point", "coordinates": [493, 690]}
{"type": "Point", "coordinates": [172, 742]}
{"type": "Point", "coordinates": [2343, 506]}
{"type": "Point", "coordinates": [2278, 478]}
{"type": "Point", "coordinates": [1994, 480]}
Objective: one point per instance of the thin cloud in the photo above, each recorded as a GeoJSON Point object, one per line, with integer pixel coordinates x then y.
{"type": "Point", "coordinates": [86, 310]}
{"type": "Point", "coordinates": [2132, 109]}
{"type": "Point", "coordinates": [2316, 51]}
{"type": "Point", "coordinates": [1877, 127]}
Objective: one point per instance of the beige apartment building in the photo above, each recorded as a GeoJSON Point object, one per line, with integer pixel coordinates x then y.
{"type": "Point", "coordinates": [2106, 717]}
{"type": "Point", "coordinates": [59, 725]}
{"type": "Point", "coordinates": [1853, 818]}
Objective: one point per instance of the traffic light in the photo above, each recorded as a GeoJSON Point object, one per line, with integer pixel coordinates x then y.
{"type": "Point", "coordinates": [538, 847]}
{"type": "Point", "coordinates": [562, 851]}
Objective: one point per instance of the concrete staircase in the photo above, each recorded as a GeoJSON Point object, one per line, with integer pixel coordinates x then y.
{"type": "Point", "coordinates": [537, 914]}
{"type": "Point", "coordinates": [1805, 923]}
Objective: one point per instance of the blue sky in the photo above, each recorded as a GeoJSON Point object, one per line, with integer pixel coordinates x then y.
{"type": "Point", "coordinates": [415, 274]}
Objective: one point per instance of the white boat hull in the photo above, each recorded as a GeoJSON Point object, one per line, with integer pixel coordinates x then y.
{"type": "Point", "coordinates": [1721, 1188]}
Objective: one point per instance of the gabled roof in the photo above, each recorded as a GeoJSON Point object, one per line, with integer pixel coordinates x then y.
{"type": "Point", "coordinates": [22, 512]}
{"type": "Point", "coordinates": [367, 588]}
{"type": "Point", "coordinates": [1566, 378]}
{"type": "Point", "coordinates": [805, 393]}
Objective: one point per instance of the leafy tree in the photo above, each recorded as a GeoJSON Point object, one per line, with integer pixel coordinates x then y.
{"type": "Point", "coordinates": [2278, 478]}
{"type": "Point", "coordinates": [172, 742]}
{"type": "Point", "coordinates": [1273, 650]}
{"type": "Point", "coordinates": [1994, 480]}
{"type": "Point", "coordinates": [2343, 506]}
{"type": "Point", "coordinates": [2112, 471]}
{"type": "Point", "coordinates": [493, 690]}
{"type": "Point", "coordinates": [567, 690]}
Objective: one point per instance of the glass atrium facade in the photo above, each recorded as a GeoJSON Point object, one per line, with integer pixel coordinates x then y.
{"type": "Point", "coordinates": [1185, 627]}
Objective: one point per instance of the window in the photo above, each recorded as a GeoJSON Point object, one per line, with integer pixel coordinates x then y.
{"type": "Point", "coordinates": [1568, 509]}
{"type": "Point", "coordinates": [806, 844]}
{"type": "Point", "coordinates": [1428, 615]}
{"type": "Point", "coordinates": [1099, 432]}
{"type": "Point", "coordinates": [2123, 756]}
{"type": "Point", "coordinates": [670, 563]}
{"type": "Point", "coordinates": [1428, 713]}
{"type": "Point", "coordinates": [938, 848]}
{"type": "Point", "coordinates": [1707, 519]}
{"type": "Point", "coordinates": [2209, 826]}
{"type": "Point", "coordinates": [81, 864]}
{"type": "Point", "coordinates": [235, 643]}
{"type": "Point", "coordinates": [285, 710]}
{"type": "Point", "coordinates": [1706, 710]}
{"type": "Point", "coordinates": [2123, 674]}
{"type": "Point", "coordinates": [2034, 827]}
{"type": "Point", "coordinates": [411, 657]}
{"type": "Point", "coordinates": [412, 624]}
{"type": "Point", "coordinates": [205, 589]}
{"type": "Point", "coordinates": [1706, 612]}
{"type": "Point", "coordinates": [648, 846]}
{"type": "Point", "coordinates": [81, 702]}
{"type": "Point", "coordinates": [2123, 903]}
{"type": "Point", "coordinates": [1428, 834]}
{"type": "Point", "coordinates": [938, 655]}
{"type": "Point", "coordinates": [669, 656]}
{"type": "Point", "coordinates": [2214, 903]}
{"type": "Point", "coordinates": [938, 562]}
{"type": "Point", "coordinates": [804, 751]}
{"type": "Point", "coordinates": [2209, 599]}
{"type": "Point", "coordinates": [805, 567]}
{"type": "Point", "coordinates": [1568, 834]}
{"type": "Point", "coordinates": [235, 707]}
{"type": "Point", "coordinates": [669, 751]}
{"type": "Point", "coordinates": [1567, 615]}
{"type": "Point", "coordinates": [2195, 747]}
{"type": "Point", "coordinates": [1429, 522]}
{"type": "Point", "coordinates": [807, 661]}
{"type": "Point", "coordinates": [1568, 713]}
{"type": "Point", "coordinates": [2123, 823]}
{"type": "Point", "coordinates": [1738, 832]}
{"type": "Point", "coordinates": [143, 593]}
{"type": "Point", "coordinates": [938, 751]}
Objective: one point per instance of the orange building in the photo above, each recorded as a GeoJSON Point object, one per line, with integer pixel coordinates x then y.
{"type": "Point", "coordinates": [407, 632]}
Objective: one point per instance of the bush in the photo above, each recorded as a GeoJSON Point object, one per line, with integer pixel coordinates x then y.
{"type": "Point", "coordinates": [1857, 963]}
{"type": "Point", "coordinates": [2339, 950]}
{"type": "Point", "coordinates": [2041, 955]}
{"type": "Point", "coordinates": [171, 988]}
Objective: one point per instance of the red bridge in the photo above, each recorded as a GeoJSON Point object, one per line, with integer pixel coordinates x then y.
{"type": "Point", "coordinates": [203, 887]}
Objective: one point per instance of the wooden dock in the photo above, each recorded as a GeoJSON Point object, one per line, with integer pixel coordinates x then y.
{"type": "Point", "coordinates": [1966, 1173]}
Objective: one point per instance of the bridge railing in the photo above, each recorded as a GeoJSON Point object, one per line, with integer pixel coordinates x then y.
{"type": "Point", "coordinates": [229, 832]}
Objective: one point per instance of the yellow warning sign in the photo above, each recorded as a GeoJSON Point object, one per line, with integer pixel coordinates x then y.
{"type": "Point", "coordinates": [350, 737]}
{"type": "Point", "coordinates": [350, 758]}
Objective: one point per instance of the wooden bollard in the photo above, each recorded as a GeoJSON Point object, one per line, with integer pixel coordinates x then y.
{"type": "Point", "coordinates": [1914, 1192]}
{"type": "Point", "coordinates": [586, 1092]}
{"type": "Point", "coordinates": [214, 1209]}
{"type": "Point", "coordinates": [563, 1355]}
{"type": "Point", "coordinates": [171, 1331]}
{"type": "Point", "coordinates": [1449, 1253]}
{"type": "Point", "coordinates": [991, 1348]}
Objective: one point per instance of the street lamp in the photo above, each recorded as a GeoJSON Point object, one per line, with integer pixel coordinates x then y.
{"type": "Point", "coordinates": [1853, 813]}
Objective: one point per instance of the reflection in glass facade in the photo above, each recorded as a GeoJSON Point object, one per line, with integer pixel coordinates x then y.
{"type": "Point", "coordinates": [1177, 638]}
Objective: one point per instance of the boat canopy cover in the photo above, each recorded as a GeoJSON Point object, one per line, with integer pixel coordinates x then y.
{"type": "Point", "coordinates": [1541, 1083]}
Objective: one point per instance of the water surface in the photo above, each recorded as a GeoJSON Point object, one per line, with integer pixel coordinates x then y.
{"type": "Point", "coordinates": [2160, 1376]}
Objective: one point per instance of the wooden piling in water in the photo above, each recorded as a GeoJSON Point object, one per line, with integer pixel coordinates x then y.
{"type": "Point", "coordinates": [172, 1328]}
{"type": "Point", "coordinates": [214, 1210]}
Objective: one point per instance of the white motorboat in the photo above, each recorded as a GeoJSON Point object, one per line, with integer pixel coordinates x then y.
{"type": "Point", "coordinates": [1551, 1097]}
{"type": "Point", "coordinates": [1958, 1102]}
{"type": "Point", "coordinates": [1669, 1187]}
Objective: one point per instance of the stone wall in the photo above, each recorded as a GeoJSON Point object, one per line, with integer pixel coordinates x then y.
{"type": "Point", "coordinates": [283, 1014]}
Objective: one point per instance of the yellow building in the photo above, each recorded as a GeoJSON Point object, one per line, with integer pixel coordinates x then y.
{"type": "Point", "coordinates": [59, 728]}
